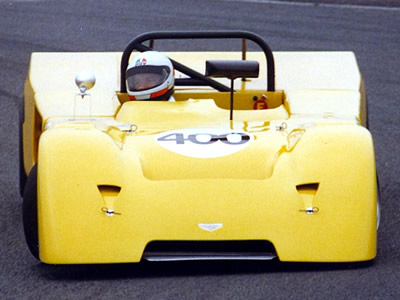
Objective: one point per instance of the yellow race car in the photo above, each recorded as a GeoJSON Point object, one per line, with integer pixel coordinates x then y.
{"type": "Point", "coordinates": [261, 155]}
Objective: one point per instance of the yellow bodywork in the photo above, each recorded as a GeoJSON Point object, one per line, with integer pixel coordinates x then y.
{"type": "Point", "coordinates": [304, 180]}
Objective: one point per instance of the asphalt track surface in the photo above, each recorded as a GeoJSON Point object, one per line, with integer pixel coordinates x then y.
{"type": "Point", "coordinates": [373, 33]}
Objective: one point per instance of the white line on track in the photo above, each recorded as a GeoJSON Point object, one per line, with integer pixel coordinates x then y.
{"type": "Point", "coordinates": [291, 3]}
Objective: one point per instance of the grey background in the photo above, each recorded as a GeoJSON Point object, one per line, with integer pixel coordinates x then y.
{"type": "Point", "coordinates": [373, 33]}
{"type": "Point", "coordinates": [375, 3]}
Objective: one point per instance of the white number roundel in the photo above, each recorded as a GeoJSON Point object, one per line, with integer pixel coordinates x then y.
{"type": "Point", "coordinates": [204, 142]}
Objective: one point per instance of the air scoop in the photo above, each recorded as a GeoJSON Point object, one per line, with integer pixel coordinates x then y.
{"type": "Point", "coordinates": [232, 69]}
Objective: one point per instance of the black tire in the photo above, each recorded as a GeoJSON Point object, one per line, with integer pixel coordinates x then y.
{"type": "Point", "coordinates": [378, 209]}
{"type": "Point", "coordinates": [22, 174]}
{"type": "Point", "coordinates": [30, 214]}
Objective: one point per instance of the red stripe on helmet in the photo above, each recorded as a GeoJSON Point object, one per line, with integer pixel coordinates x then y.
{"type": "Point", "coordinates": [159, 93]}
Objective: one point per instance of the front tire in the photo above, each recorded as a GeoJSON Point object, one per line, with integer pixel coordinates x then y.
{"type": "Point", "coordinates": [30, 214]}
{"type": "Point", "coordinates": [22, 175]}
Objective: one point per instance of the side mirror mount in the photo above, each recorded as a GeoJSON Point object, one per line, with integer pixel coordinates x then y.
{"type": "Point", "coordinates": [232, 69]}
{"type": "Point", "coordinates": [85, 80]}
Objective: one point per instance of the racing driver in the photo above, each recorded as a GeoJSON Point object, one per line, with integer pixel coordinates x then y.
{"type": "Point", "coordinates": [150, 76]}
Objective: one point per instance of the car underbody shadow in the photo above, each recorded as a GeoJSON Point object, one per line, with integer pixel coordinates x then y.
{"type": "Point", "coordinates": [146, 269]}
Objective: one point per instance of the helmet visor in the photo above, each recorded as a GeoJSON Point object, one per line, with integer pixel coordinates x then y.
{"type": "Point", "coordinates": [142, 78]}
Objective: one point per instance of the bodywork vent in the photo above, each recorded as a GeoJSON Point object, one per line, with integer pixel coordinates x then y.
{"type": "Point", "coordinates": [209, 250]}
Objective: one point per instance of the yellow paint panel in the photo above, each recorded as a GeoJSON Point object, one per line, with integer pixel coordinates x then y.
{"type": "Point", "coordinates": [107, 186]}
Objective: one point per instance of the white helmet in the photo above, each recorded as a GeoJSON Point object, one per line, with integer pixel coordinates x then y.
{"type": "Point", "coordinates": [150, 76]}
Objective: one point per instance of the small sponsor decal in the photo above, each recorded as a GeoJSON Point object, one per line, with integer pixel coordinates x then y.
{"type": "Point", "coordinates": [141, 62]}
{"type": "Point", "coordinates": [260, 104]}
{"type": "Point", "coordinates": [204, 142]}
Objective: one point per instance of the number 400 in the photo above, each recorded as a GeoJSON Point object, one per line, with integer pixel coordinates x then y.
{"type": "Point", "coordinates": [232, 138]}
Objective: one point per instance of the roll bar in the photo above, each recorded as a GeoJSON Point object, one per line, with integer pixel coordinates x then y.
{"type": "Point", "coordinates": [136, 44]}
